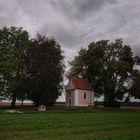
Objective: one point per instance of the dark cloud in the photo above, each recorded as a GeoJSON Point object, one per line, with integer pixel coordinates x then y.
{"type": "Point", "coordinates": [80, 9]}
{"type": "Point", "coordinates": [67, 35]}
{"type": "Point", "coordinates": [76, 23]}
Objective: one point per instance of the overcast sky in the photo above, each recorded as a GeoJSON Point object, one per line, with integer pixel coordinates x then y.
{"type": "Point", "coordinates": [76, 23]}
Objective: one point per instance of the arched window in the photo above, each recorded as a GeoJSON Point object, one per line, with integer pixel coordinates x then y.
{"type": "Point", "coordinates": [85, 95]}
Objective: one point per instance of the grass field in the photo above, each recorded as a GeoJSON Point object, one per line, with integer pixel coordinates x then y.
{"type": "Point", "coordinates": [71, 125]}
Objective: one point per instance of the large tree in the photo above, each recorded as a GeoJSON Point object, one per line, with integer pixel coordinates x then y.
{"type": "Point", "coordinates": [45, 70]}
{"type": "Point", "coordinates": [108, 66]}
{"type": "Point", "coordinates": [13, 47]}
{"type": "Point", "coordinates": [135, 89]}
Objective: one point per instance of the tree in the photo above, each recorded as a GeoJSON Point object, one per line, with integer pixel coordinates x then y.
{"type": "Point", "coordinates": [107, 66]}
{"type": "Point", "coordinates": [13, 45]}
{"type": "Point", "coordinates": [135, 89]}
{"type": "Point", "coordinates": [79, 65]}
{"type": "Point", "coordinates": [45, 70]}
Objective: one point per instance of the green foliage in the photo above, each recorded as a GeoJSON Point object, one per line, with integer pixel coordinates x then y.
{"type": "Point", "coordinates": [13, 47]}
{"type": "Point", "coordinates": [45, 70]}
{"type": "Point", "coordinates": [107, 66]}
{"type": "Point", "coordinates": [135, 90]}
{"type": "Point", "coordinates": [70, 126]}
{"type": "Point", "coordinates": [78, 64]}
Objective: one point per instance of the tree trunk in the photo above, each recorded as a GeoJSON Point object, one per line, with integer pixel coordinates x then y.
{"type": "Point", "coordinates": [127, 98]}
{"type": "Point", "coordinates": [109, 99]}
{"type": "Point", "coordinates": [13, 103]}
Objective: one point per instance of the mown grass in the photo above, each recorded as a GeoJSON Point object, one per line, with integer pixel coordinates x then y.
{"type": "Point", "coordinates": [70, 126]}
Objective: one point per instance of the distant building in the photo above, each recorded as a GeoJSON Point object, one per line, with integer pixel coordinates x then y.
{"type": "Point", "coordinates": [79, 92]}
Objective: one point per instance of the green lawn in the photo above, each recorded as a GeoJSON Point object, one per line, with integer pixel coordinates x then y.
{"type": "Point", "coordinates": [70, 126]}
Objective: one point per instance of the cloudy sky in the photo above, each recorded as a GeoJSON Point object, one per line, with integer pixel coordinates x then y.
{"type": "Point", "coordinates": [76, 23]}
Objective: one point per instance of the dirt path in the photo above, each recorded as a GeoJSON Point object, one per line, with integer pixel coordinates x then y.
{"type": "Point", "coordinates": [13, 111]}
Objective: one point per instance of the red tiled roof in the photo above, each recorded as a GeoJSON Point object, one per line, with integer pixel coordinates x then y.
{"type": "Point", "coordinates": [78, 83]}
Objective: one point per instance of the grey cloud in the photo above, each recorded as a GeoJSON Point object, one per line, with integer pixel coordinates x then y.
{"type": "Point", "coordinates": [66, 35]}
{"type": "Point", "coordinates": [91, 5]}
{"type": "Point", "coordinates": [80, 9]}
{"type": "Point", "coordinates": [8, 13]}
{"type": "Point", "coordinates": [75, 23]}
{"type": "Point", "coordinates": [56, 15]}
